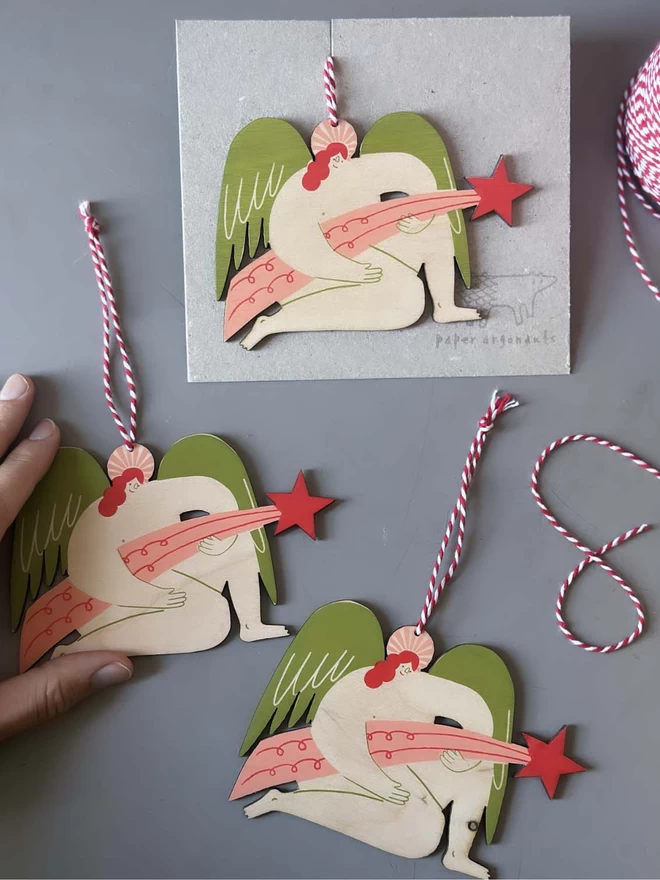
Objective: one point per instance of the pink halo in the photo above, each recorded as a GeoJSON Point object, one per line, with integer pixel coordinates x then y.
{"type": "Point", "coordinates": [138, 457]}
{"type": "Point", "coordinates": [325, 134]}
{"type": "Point", "coordinates": [404, 639]}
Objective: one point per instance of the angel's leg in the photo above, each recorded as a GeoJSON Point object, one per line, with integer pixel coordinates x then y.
{"type": "Point", "coordinates": [433, 247]}
{"type": "Point", "coordinates": [201, 623]}
{"type": "Point", "coordinates": [396, 301]}
{"type": "Point", "coordinates": [466, 813]}
{"type": "Point", "coordinates": [237, 568]}
{"type": "Point", "coordinates": [411, 831]}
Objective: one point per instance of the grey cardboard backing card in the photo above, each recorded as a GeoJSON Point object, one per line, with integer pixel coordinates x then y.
{"type": "Point", "coordinates": [490, 86]}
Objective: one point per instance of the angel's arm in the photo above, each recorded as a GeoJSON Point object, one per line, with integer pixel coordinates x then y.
{"type": "Point", "coordinates": [297, 239]}
{"type": "Point", "coordinates": [398, 172]}
{"type": "Point", "coordinates": [102, 574]}
{"type": "Point", "coordinates": [181, 494]}
{"type": "Point", "coordinates": [440, 697]}
{"type": "Point", "coordinates": [339, 730]}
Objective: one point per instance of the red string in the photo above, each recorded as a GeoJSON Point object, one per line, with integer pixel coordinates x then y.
{"type": "Point", "coordinates": [330, 87]}
{"type": "Point", "coordinates": [110, 323]}
{"type": "Point", "coordinates": [638, 150]}
{"type": "Point", "coordinates": [457, 518]}
{"type": "Point", "coordinates": [592, 556]}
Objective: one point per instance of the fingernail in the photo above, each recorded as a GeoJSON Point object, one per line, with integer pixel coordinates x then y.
{"type": "Point", "coordinates": [113, 673]}
{"type": "Point", "coordinates": [43, 430]}
{"type": "Point", "coordinates": [14, 387]}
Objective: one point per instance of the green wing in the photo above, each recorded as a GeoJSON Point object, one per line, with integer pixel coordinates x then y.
{"type": "Point", "coordinates": [410, 133]}
{"type": "Point", "coordinates": [485, 672]}
{"type": "Point", "coordinates": [204, 455]}
{"type": "Point", "coordinates": [336, 639]}
{"type": "Point", "coordinates": [44, 525]}
{"type": "Point", "coordinates": [261, 158]}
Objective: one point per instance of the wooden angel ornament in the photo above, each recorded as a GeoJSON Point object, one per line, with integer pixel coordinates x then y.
{"type": "Point", "coordinates": [374, 765]}
{"type": "Point", "coordinates": [147, 560]}
{"type": "Point", "coordinates": [344, 254]}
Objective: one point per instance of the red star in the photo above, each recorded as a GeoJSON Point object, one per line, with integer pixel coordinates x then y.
{"type": "Point", "coordinates": [298, 507]}
{"type": "Point", "coordinates": [497, 193]}
{"type": "Point", "coordinates": [548, 761]}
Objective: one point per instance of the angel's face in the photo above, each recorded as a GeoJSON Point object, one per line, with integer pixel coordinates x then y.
{"type": "Point", "coordinates": [132, 486]}
{"type": "Point", "coordinates": [405, 669]}
{"type": "Point", "coordinates": [337, 160]}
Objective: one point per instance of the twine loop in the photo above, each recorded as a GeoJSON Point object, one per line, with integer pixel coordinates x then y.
{"type": "Point", "coordinates": [330, 88]}
{"type": "Point", "coordinates": [458, 515]}
{"type": "Point", "coordinates": [594, 557]}
{"type": "Point", "coordinates": [111, 325]}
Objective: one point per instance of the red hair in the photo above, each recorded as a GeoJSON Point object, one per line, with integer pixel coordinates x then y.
{"type": "Point", "coordinates": [385, 670]}
{"type": "Point", "coordinates": [115, 495]}
{"type": "Point", "coordinates": [319, 168]}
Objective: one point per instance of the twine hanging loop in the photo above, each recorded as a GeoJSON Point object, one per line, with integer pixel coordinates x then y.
{"type": "Point", "coordinates": [458, 515]}
{"type": "Point", "coordinates": [111, 328]}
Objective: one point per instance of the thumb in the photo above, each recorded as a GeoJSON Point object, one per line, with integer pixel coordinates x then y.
{"type": "Point", "coordinates": [51, 689]}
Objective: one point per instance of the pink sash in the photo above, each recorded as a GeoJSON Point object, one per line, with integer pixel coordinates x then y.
{"type": "Point", "coordinates": [269, 280]}
{"type": "Point", "coordinates": [65, 608]}
{"type": "Point", "coordinates": [293, 756]}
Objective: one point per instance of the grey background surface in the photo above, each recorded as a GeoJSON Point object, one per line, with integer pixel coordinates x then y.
{"type": "Point", "coordinates": [134, 782]}
{"type": "Point", "coordinates": [490, 86]}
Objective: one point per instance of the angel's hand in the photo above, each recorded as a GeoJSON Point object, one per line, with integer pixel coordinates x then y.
{"type": "Point", "coordinates": [359, 273]}
{"type": "Point", "coordinates": [454, 761]}
{"type": "Point", "coordinates": [395, 794]}
{"type": "Point", "coordinates": [213, 546]}
{"type": "Point", "coordinates": [412, 225]}
{"type": "Point", "coordinates": [55, 686]}
{"type": "Point", "coordinates": [170, 599]}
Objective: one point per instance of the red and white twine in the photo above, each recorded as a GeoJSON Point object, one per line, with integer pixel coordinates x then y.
{"type": "Point", "coordinates": [330, 88]}
{"type": "Point", "coordinates": [110, 323]}
{"type": "Point", "coordinates": [638, 150]}
{"type": "Point", "coordinates": [592, 556]}
{"type": "Point", "coordinates": [457, 517]}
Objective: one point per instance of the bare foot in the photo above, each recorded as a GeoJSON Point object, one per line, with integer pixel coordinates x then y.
{"type": "Point", "coordinates": [449, 314]}
{"type": "Point", "coordinates": [254, 631]}
{"type": "Point", "coordinates": [259, 331]}
{"type": "Point", "coordinates": [465, 865]}
{"type": "Point", "coordinates": [264, 805]}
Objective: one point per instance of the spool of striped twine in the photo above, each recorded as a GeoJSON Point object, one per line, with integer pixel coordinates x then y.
{"type": "Point", "coordinates": [638, 151]}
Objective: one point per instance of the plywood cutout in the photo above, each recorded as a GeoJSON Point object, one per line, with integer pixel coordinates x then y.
{"type": "Point", "coordinates": [341, 258]}
{"type": "Point", "coordinates": [374, 765]}
{"type": "Point", "coordinates": [498, 193]}
{"type": "Point", "coordinates": [148, 560]}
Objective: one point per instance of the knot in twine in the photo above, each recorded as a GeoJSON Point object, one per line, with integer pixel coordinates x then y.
{"type": "Point", "coordinates": [91, 223]}
{"type": "Point", "coordinates": [498, 405]}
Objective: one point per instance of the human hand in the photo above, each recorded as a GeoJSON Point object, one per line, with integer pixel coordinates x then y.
{"type": "Point", "coordinates": [50, 689]}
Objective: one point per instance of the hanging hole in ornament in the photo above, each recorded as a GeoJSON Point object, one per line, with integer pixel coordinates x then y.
{"type": "Point", "coordinates": [192, 514]}
{"type": "Point", "coordinates": [395, 194]}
